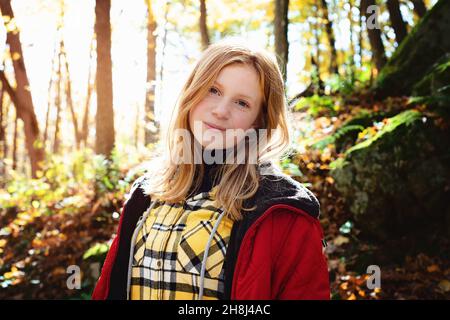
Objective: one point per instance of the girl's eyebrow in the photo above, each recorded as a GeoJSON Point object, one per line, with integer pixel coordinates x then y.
{"type": "Point", "coordinates": [240, 94]}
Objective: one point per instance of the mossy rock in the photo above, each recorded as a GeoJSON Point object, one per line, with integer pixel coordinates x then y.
{"type": "Point", "coordinates": [437, 79]}
{"type": "Point", "coordinates": [427, 42]}
{"type": "Point", "coordinates": [397, 184]}
{"type": "Point", "coordinates": [347, 134]}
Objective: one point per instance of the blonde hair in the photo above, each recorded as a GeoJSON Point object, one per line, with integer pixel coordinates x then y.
{"type": "Point", "coordinates": [239, 181]}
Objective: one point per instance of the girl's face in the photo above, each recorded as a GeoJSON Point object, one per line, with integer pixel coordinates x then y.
{"type": "Point", "coordinates": [232, 102]}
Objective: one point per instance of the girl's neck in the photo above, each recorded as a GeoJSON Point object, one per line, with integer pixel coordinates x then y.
{"type": "Point", "coordinates": [213, 161]}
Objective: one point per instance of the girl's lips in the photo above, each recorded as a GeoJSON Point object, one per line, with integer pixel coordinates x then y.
{"type": "Point", "coordinates": [210, 126]}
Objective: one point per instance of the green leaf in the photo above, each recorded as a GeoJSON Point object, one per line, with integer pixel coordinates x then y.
{"type": "Point", "coordinates": [96, 250]}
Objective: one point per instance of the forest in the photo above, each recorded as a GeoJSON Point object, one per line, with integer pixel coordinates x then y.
{"type": "Point", "coordinates": [87, 88]}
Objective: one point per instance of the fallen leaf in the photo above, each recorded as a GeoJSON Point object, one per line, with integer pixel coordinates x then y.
{"type": "Point", "coordinates": [340, 240]}
{"type": "Point", "coordinates": [433, 268]}
{"type": "Point", "coordinates": [444, 285]}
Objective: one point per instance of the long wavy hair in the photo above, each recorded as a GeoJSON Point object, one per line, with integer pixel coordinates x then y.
{"type": "Point", "coordinates": [238, 181]}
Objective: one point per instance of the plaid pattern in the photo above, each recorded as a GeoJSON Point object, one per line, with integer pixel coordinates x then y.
{"type": "Point", "coordinates": [169, 251]}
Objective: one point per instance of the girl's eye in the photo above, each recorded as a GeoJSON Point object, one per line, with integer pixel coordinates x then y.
{"type": "Point", "coordinates": [213, 90]}
{"type": "Point", "coordinates": [242, 103]}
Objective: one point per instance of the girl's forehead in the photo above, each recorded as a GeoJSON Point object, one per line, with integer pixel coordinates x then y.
{"type": "Point", "coordinates": [242, 78]}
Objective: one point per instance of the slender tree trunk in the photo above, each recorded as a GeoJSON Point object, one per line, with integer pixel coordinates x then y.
{"type": "Point", "coordinates": [361, 38]}
{"type": "Point", "coordinates": [50, 90]}
{"type": "Point", "coordinates": [104, 119]}
{"type": "Point", "coordinates": [14, 150]}
{"type": "Point", "coordinates": [151, 126]}
{"type": "Point", "coordinates": [316, 62]}
{"type": "Point", "coordinates": [396, 20]}
{"type": "Point", "coordinates": [25, 107]}
{"type": "Point", "coordinates": [69, 99]}
{"type": "Point", "coordinates": [374, 33]}
{"type": "Point", "coordinates": [331, 39]}
{"type": "Point", "coordinates": [281, 24]}
{"type": "Point", "coordinates": [203, 24]}
{"type": "Point", "coordinates": [316, 79]}
{"type": "Point", "coordinates": [163, 50]}
{"type": "Point", "coordinates": [3, 115]}
{"type": "Point", "coordinates": [90, 88]}
{"type": "Point", "coordinates": [54, 70]}
{"type": "Point", "coordinates": [137, 126]}
{"type": "Point", "coordinates": [47, 114]}
{"type": "Point", "coordinates": [6, 114]}
{"type": "Point", "coordinates": [56, 141]}
{"type": "Point", "coordinates": [419, 7]}
{"type": "Point", "coordinates": [352, 53]}
{"type": "Point", "coordinates": [318, 85]}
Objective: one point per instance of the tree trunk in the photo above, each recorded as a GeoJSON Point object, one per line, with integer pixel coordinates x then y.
{"type": "Point", "coordinates": [56, 141]}
{"type": "Point", "coordinates": [69, 100]}
{"type": "Point", "coordinates": [316, 79]}
{"type": "Point", "coordinates": [163, 51]}
{"type": "Point", "coordinates": [6, 115]}
{"type": "Point", "coordinates": [90, 87]}
{"type": "Point", "coordinates": [374, 33]}
{"type": "Point", "coordinates": [419, 7]}
{"type": "Point", "coordinates": [424, 45]}
{"type": "Point", "coordinates": [203, 25]}
{"type": "Point", "coordinates": [315, 61]}
{"type": "Point", "coordinates": [330, 35]}
{"type": "Point", "coordinates": [137, 125]}
{"type": "Point", "coordinates": [24, 106]}
{"type": "Point", "coordinates": [396, 20]}
{"type": "Point", "coordinates": [3, 115]}
{"type": "Point", "coordinates": [351, 64]}
{"type": "Point", "coordinates": [151, 126]}
{"type": "Point", "coordinates": [104, 119]}
{"type": "Point", "coordinates": [361, 38]}
{"type": "Point", "coordinates": [50, 86]}
{"type": "Point", "coordinates": [14, 151]}
{"type": "Point", "coordinates": [281, 34]}
{"type": "Point", "coordinates": [49, 103]}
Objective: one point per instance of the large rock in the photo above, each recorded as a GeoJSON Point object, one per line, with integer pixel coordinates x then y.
{"type": "Point", "coordinates": [398, 183]}
{"type": "Point", "coordinates": [426, 44]}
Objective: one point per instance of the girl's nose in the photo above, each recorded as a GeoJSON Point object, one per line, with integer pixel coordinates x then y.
{"type": "Point", "coordinates": [221, 109]}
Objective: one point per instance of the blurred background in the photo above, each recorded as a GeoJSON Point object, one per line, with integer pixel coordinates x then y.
{"type": "Point", "coordinates": [87, 88]}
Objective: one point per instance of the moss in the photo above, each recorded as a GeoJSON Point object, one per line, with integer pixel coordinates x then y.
{"type": "Point", "coordinates": [397, 184]}
{"type": "Point", "coordinates": [426, 44]}
{"type": "Point", "coordinates": [404, 118]}
{"type": "Point", "coordinates": [437, 79]}
{"type": "Point", "coordinates": [347, 134]}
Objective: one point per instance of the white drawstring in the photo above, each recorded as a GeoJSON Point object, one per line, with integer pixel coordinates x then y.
{"type": "Point", "coordinates": [205, 255]}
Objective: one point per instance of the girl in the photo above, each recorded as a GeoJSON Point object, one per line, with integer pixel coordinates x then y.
{"type": "Point", "coordinates": [218, 220]}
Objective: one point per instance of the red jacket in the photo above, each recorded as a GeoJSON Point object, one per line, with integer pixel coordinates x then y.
{"type": "Point", "coordinates": [275, 252]}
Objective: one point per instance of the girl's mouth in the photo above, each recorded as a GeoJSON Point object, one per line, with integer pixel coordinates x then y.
{"type": "Point", "coordinates": [211, 126]}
